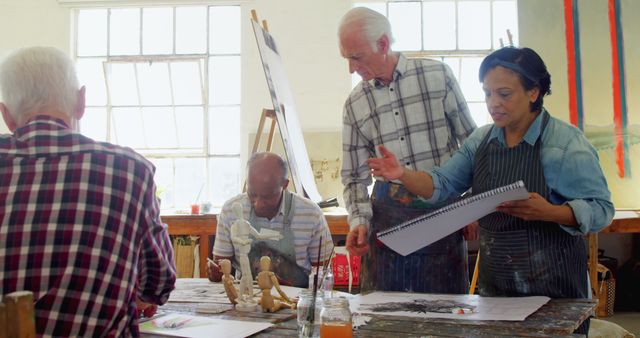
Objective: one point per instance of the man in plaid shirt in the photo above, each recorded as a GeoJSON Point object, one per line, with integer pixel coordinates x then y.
{"type": "Point", "coordinates": [79, 220]}
{"type": "Point", "coordinates": [416, 110]}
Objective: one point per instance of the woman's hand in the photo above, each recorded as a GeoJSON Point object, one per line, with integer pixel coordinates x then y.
{"type": "Point", "coordinates": [386, 166]}
{"type": "Point", "coordinates": [536, 208]}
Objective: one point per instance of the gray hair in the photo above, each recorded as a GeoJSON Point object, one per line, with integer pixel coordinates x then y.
{"type": "Point", "coordinates": [374, 25]}
{"type": "Point", "coordinates": [38, 78]}
{"type": "Point", "coordinates": [282, 164]}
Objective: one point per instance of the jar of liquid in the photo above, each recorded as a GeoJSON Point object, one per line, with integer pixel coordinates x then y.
{"type": "Point", "coordinates": [335, 318]}
{"type": "Point", "coordinates": [305, 327]}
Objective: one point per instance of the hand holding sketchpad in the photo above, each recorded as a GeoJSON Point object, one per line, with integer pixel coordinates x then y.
{"type": "Point", "coordinates": [419, 232]}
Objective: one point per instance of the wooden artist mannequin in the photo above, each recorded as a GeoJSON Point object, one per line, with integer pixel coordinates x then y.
{"type": "Point", "coordinates": [266, 281]}
{"type": "Point", "coordinates": [227, 281]}
{"type": "Point", "coordinates": [241, 230]}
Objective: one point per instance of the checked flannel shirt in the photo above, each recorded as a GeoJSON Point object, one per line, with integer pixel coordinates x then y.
{"type": "Point", "coordinates": [80, 227]}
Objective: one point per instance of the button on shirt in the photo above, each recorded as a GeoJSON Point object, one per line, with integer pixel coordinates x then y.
{"type": "Point", "coordinates": [421, 117]}
{"type": "Point", "coordinates": [570, 164]}
{"type": "Point", "coordinates": [79, 226]}
{"type": "Point", "coordinates": [308, 225]}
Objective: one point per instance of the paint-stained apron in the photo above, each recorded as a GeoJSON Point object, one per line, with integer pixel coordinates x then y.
{"type": "Point", "coordinates": [518, 257]}
{"type": "Point", "coordinates": [438, 268]}
{"type": "Point", "coordinates": [282, 252]}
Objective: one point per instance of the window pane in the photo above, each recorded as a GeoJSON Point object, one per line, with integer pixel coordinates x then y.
{"type": "Point", "coordinates": [224, 80]}
{"type": "Point", "coordinates": [157, 31]}
{"type": "Point", "coordinates": [186, 82]}
{"type": "Point", "coordinates": [122, 84]}
{"type": "Point", "coordinates": [468, 80]}
{"type": "Point", "coordinates": [439, 28]}
{"type": "Point", "coordinates": [190, 122]}
{"type": "Point", "coordinates": [224, 128]}
{"type": "Point", "coordinates": [164, 181]}
{"type": "Point", "coordinates": [225, 30]}
{"type": "Point", "coordinates": [479, 113]}
{"type": "Point", "coordinates": [505, 16]}
{"type": "Point", "coordinates": [379, 7]}
{"type": "Point", "coordinates": [94, 123]}
{"type": "Point", "coordinates": [92, 32]}
{"type": "Point", "coordinates": [191, 30]}
{"type": "Point", "coordinates": [474, 25]}
{"type": "Point", "coordinates": [91, 75]}
{"type": "Point", "coordinates": [225, 179]}
{"type": "Point", "coordinates": [153, 79]}
{"type": "Point", "coordinates": [124, 32]}
{"type": "Point", "coordinates": [405, 20]}
{"type": "Point", "coordinates": [190, 178]}
{"type": "Point", "coordinates": [127, 127]}
{"type": "Point", "coordinates": [160, 127]}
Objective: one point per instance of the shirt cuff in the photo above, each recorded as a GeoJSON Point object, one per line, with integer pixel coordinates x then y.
{"type": "Point", "coordinates": [222, 253]}
{"type": "Point", "coordinates": [582, 213]}
{"type": "Point", "coordinates": [437, 189]}
{"type": "Point", "coordinates": [357, 220]}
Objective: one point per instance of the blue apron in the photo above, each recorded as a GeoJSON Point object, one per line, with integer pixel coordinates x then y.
{"type": "Point", "coordinates": [438, 268]}
{"type": "Point", "coordinates": [282, 252]}
{"type": "Point", "coordinates": [518, 257]}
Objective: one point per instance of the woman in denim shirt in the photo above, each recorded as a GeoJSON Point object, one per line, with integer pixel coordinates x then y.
{"type": "Point", "coordinates": [534, 246]}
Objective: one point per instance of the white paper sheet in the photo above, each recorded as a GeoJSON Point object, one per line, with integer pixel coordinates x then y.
{"type": "Point", "coordinates": [464, 307]}
{"type": "Point", "coordinates": [405, 239]}
{"type": "Point", "coordinates": [624, 214]}
{"type": "Point", "coordinates": [196, 326]}
{"type": "Point", "coordinates": [287, 115]}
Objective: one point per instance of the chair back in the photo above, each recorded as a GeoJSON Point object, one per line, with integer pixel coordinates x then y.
{"type": "Point", "coordinates": [17, 315]}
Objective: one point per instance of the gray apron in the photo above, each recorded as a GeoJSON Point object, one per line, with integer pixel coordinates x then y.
{"type": "Point", "coordinates": [438, 268]}
{"type": "Point", "coordinates": [282, 252]}
{"type": "Point", "coordinates": [518, 257]}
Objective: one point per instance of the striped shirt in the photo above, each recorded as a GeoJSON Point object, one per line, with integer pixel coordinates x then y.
{"type": "Point", "coordinates": [80, 227]}
{"type": "Point", "coordinates": [421, 117]}
{"type": "Point", "coordinates": [308, 225]}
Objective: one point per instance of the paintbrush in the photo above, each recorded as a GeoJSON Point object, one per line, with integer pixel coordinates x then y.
{"type": "Point", "coordinates": [312, 308]}
{"type": "Point", "coordinates": [325, 272]}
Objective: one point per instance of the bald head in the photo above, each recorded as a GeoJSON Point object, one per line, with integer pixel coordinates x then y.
{"type": "Point", "coordinates": [268, 164]}
{"type": "Point", "coordinates": [267, 178]}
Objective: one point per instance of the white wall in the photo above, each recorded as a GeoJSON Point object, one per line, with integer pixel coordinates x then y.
{"type": "Point", "coordinates": [32, 22]}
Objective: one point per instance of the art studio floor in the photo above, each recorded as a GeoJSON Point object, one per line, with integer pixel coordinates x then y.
{"type": "Point", "coordinates": [628, 320]}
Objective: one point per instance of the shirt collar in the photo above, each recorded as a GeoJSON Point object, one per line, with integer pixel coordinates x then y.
{"type": "Point", "coordinates": [47, 121]}
{"type": "Point", "coordinates": [401, 68]}
{"type": "Point", "coordinates": [531, 136]}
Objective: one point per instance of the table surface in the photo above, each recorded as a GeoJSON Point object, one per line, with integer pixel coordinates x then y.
{"type": "Point", "coordinates": [559, 318]}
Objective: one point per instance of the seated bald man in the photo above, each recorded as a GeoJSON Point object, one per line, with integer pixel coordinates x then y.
{"type": "Point", "coordinates": [268, 204]}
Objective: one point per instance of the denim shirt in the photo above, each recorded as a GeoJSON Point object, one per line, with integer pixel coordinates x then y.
{"type": "Point", "coordinates": [570, 164]}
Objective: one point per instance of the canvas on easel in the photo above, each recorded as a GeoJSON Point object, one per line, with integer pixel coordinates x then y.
{"type": "Point", "coordinates": [286, 114]}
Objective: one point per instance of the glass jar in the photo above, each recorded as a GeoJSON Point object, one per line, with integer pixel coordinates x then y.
{"type": "Point", "coordinates": [335, 318]}
{"type": "Point", "coordinates": [305, 329]}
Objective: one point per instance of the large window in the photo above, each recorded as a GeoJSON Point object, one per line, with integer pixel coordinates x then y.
{"type": "Point", "coordinates": [458, 32]}
{"type": "Point", "coordinates": [165, 81]}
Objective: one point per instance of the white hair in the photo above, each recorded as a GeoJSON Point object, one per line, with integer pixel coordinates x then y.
{"type": "Point", "coordinates": [35, 79]}
{"type": "Point", "coordinates": [373, 24]}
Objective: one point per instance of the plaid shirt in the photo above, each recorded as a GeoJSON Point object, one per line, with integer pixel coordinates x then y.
{"type": "Point", "coordinates": [79, 227]}
{"type": "Point", "coordinates": [421, 116]}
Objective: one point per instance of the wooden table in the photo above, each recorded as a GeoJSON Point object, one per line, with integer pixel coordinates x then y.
{"type": "Point", "coordinates": [559, 318]}
{"type": "Point", "coordinates": [206, 225]}
{"type": "Point", "coordinates": [624, 225]}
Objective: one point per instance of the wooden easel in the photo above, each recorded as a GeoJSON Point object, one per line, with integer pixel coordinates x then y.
{"type": "Point", "coordinates": [266, 113]}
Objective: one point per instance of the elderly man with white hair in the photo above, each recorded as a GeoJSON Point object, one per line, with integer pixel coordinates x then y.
{"type": "Point", "coordinates": [79, 220]}
{"type": "Point", "coordinates": [414, 108]}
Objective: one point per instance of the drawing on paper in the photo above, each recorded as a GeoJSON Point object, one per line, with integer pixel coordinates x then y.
{"type": "Point", "coordinates": [422, 306]}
